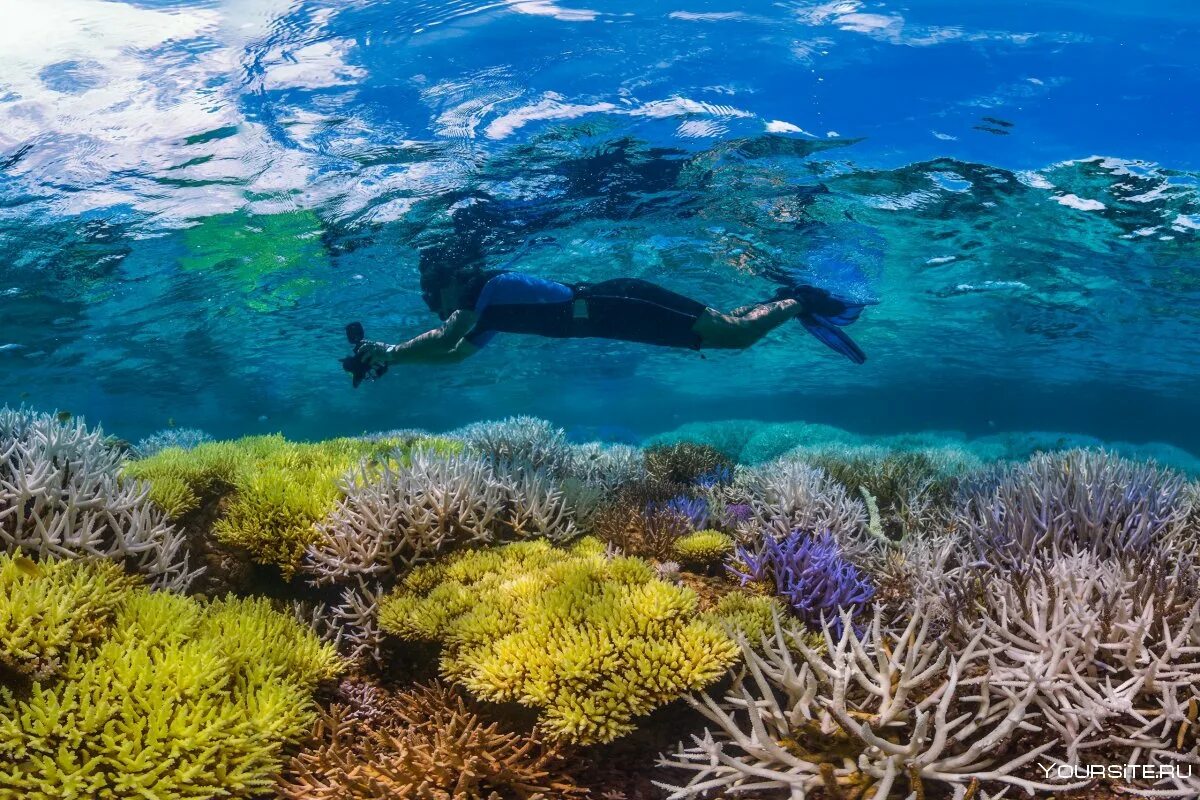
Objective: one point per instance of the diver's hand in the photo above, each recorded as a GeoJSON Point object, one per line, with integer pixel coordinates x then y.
{"type": "Point", "coordinates": [375, 354]}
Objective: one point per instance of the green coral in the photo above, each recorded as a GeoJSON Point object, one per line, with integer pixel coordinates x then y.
{"type": "Point", "coordinates": [51, 610]}
{"type": "Point", "coordinates": [157, 696]}
{"type": "Point", "coordinates": [593, 641]}
{"type": "Point", "coordinates": [703, 547]}
{"type": "Point", "coordinates": [278, 489]}
{"type": "Point", "coordinates": [754, 617]}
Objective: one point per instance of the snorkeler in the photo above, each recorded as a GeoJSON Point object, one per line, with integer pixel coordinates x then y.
{"type": "Point", "coordinates": [626, 309]}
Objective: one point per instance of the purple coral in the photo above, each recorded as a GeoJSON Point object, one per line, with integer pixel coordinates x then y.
{"type": "Point", "coordinates": [736, 513]}
{"type": "Point", "coordinates": [809, 573]}
{"type": "Point", "coordinates": [693, 509]}
{"type": "Point", "coordinates": [717, 476]}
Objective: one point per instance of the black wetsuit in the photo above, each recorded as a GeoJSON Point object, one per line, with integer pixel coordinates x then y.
{"type": "Point", "coordinates": [627, 309]}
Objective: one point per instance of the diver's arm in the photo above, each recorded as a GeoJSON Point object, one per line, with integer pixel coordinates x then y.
{"type": "Point", "coordinates": [440, 345]}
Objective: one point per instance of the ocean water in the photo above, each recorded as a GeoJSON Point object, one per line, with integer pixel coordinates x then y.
{"type": "Point", "coordinates": [195, 197]}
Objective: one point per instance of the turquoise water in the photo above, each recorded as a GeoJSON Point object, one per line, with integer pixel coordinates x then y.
{"type": "Point", "coordinates": [196, 197]}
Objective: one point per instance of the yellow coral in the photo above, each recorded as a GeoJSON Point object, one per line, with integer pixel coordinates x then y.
{"type": "Point", "coordinates": [279, 488]}
{"type": "Point", "coordinates": [592, 641]}
{"type": "Point", "coordinates": [703, 547]}
{"type": "Point", "coordinates": [51, 608]}
{"type": "Point", "coordinates": [173, 495]}
{"type": "Point", "coordinates": [161, 696]}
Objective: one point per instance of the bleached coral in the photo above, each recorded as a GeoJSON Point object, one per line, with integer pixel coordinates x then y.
{"type": "Point", "coordinates": [870, 711]}
{"type": "Point", "coordinates": [62, 494]}
{"type": "Point", "coordinates": [519, 443]}
{"type": "Point", "coordinates": [1113, 649]}
{"type": "Point", "coordinates": [182, 438]}
{"type": "Point", "coordinates": [787, 495]}
{"type": "Point", "coordinates": [1081, 499]}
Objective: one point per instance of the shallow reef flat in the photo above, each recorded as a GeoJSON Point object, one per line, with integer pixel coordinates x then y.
{"type": "Point", "coordinates": [730, 610]}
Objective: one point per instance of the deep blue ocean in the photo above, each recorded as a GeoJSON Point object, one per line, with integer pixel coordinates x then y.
{"type": "Point", "coordinates": [195, 197]}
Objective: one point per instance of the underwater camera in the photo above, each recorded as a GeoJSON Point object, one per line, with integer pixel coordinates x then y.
{"type": "Point", "coordinates": [354, 364]}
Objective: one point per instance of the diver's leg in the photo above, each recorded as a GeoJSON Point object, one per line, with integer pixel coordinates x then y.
{"type": "Point", "coordinates": [744, 326]}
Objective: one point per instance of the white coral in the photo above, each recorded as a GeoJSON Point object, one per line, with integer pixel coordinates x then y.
{"type": "Point", "coordinates": [397, 514]}
{"type": "Point", "coordinates": [62, 495]}
{"type": "Point", "coordinates": [785, 495]}
{"type": "Point", "coordinates": [893, 702]}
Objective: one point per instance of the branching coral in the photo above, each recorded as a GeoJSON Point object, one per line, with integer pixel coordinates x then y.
{"type": "Point", "coordinates": [809, 573]}
{"type": "Point", "coordinates": [650, 531]}
{"type": "Point", "coordinates": [593, 641]}
{"type": "Point", "coordinates": [1113, 649]}
{"type": "Point", "coordinates": [398, 513]}
{"type": "Point", "coordinates": [684, 462]}
{"type": "Point", "coordinates": [47, 610]}
{"type": "Point", "coordinates": [61, 494]}
{"type": "Point", "coordinates": [160, 696]}
{"type": "Point", "coordinates": [1082, 499]}
{"type": "Point", "coordinates": [875, 710]}
{"type": "Point", "coordinates": [278, 489]}
{"type": "Point", "coordinates": [182, 438]}
{"type": "Point", "coordinates": [913, 488]}
{"type": "Point", "coordinates": [703, 547]}
{"type": "Point", "coordinates": [520, 443]}
{"type": "Point", "coordinates": [421, 743]}
{"type": "Point", "coordinates": [785, 495]}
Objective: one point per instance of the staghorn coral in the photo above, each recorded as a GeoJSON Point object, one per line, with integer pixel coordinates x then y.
{"type": "Point", "coordinates": [278, 490]}
{"type": "Point", "coordinates": [913, 488]}
{"type": "Point", "coordinates": [160, 696]}
{"type": "Point", "coordinates": [62, 495]}
{"type": "Point", "coordinates": [1112, 648]}
{"type": "Point", "coordinates": [593, 641]}
{"type": "Point", "coordinates": [50, 609]}
{"type": "Point", "coordinates": [421, 743]}
{"type": "Point", "coordinates": [786, 495]}
{"type": "Point", "coordinates": [684, 462]}
{"type": "Point", "coordinates": [703, 547]}
{"type": "Point", "coordinates": [519, 443]}
{"type": "Point", "coordinates": [872, 711]}
{"type": "Point", "coordinates": [1081, 499]}
{"type": "Point", "coordinates": [182, 438]}
{"type": "Point", "coordinates": [608, 466]}
{"type": "Point", "coordinates": [693, 509]}
{"type": "Point", "coordinates": [809, 573]}
{"type": "Point", "coordinates": [650, 531]}
{"type": "Point", "coordinates": [398, 513]}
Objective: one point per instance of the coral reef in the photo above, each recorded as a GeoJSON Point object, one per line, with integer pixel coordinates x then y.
{"type": "Point", "coordinates": [424, 742]}
{"type": "Point", "coordinates": [62, 494]}
{"type": "Point", "coordinates": [875, 710]}
{"type": "Point", "coordinates": [151, 694]}
{"type": "Point", "coordinates": [591, 640]}
{"type": "Point", "coordinates": [784, 496]}
{"type": "Point", "coordinates": [812, 615]}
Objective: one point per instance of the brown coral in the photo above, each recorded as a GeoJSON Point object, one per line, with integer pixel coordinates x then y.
{"type": "Point", "coordinates": [423, 744]}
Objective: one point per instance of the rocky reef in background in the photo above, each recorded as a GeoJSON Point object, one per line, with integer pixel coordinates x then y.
{"type": "Point", "coordinates": [734, 609]}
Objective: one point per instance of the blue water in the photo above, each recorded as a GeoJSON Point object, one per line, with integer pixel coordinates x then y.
{"type": "Point", "coordinates": [196, 196]}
